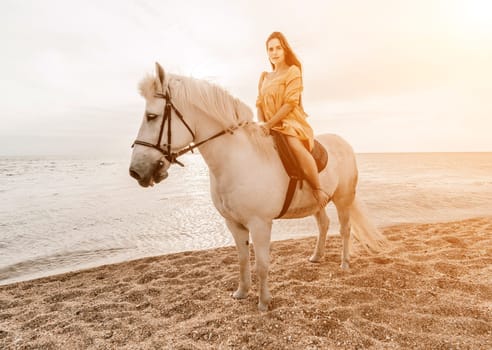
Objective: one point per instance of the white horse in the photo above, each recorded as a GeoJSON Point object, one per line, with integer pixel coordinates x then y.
{"type": "Point", "coordinates": [247, 180]}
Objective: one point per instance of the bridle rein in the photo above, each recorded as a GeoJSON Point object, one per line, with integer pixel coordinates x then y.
{"type": "Point", "coordinates": [166, 149]}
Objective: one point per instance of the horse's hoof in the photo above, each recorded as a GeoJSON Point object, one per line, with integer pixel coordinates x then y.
{"type": "Point", "coordinates": [239, 294]}
{"type": "Point", "coordinates": [263, 305]}
{"type": "Point", "coordinates": [345, 266]}
{"type": "Point", "coordinates": [315, 258]}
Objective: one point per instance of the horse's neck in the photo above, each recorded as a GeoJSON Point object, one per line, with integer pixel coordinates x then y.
{"type": "Point", "coordinates": [227, 152]}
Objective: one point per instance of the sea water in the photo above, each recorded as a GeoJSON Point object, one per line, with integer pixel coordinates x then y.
{"type": "Point", "coordinates": [58, 215]}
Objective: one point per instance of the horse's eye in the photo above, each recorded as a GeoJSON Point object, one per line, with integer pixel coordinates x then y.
{"type": "Point", "coordinates": [151, 116]}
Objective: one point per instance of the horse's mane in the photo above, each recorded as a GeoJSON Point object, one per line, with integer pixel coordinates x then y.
{"type": "Point", "coordinates": [214, 101]}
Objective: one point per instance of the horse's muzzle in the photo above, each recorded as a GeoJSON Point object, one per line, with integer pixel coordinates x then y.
{"type": "Point", "coordinates": [150, 179]}
{"type": "Point", "coordinates": [135, 175]}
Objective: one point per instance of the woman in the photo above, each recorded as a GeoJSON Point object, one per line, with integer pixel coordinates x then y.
{"type": "Point", "coordinates": [280, 108]}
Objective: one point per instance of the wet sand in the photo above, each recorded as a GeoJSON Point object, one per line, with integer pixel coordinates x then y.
{"type": "Point", "coordinates": [431, 290]}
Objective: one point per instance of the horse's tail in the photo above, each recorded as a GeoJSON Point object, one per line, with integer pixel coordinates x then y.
{"type": "Point", "coordinates": [364, 230]}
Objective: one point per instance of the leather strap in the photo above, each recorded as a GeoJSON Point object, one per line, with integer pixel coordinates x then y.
{"type": "Point", "coordinates": [291, 189]}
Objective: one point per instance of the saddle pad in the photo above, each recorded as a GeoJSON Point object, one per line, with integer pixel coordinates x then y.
{"type": "Point", "coordinates": [289, 160]}
{"type": "Point", "coordinates": [320, 155]}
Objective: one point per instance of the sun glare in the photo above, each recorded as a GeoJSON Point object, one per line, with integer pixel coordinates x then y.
{"type": "Point", "coordinates": [473, 17]}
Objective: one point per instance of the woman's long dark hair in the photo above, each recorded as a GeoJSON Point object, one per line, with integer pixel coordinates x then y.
{"type": "Point", "coordinates": [290, 56]}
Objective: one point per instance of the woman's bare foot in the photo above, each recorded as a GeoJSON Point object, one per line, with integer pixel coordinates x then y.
{"type": "Point", "coordinates": [321, 197]}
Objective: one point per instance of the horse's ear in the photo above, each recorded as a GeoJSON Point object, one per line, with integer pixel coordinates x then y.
{"type": "Point", "coordinates": [159, 73]}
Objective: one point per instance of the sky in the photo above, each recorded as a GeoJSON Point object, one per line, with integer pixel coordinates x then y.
{"type": "Point", "coordinates": [386, 75]}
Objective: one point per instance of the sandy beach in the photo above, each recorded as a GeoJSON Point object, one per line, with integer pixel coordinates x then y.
{"type": "Point", "coordinates": [431, 290]}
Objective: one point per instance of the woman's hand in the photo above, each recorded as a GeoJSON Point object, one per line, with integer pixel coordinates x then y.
{"type": "Point", "coordinates": [276, 119]}
{"type": "Point", "coordinates": [265, 128]}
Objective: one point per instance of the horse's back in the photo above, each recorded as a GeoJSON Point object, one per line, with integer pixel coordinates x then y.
{"type": "Point", "coordinates": [338, 148]}
{"type": "Point", "coordinates": [341, 161]}
{"type": "Point", "coordinates": [335, 142]}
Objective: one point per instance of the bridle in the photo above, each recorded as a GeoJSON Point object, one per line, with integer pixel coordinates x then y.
{"type": "Point", "coordinates": [166, 149]}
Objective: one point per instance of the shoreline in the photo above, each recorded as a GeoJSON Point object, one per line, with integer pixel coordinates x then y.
{"type": "Point", "coordinates": [432, 289]}
{"type": "Point", "coordinates": [35, 275]}
{"type": "Point", "coordinates": [68, 215]}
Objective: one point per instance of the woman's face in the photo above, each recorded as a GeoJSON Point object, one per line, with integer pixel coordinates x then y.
{"type": "Point", "coordinates": [275, 52]}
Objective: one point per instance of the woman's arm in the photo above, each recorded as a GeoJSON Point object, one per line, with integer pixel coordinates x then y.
{"type": "Point", "coordinates": [261, 116]}
{"type": "Point", "coordinates": [281, 114]}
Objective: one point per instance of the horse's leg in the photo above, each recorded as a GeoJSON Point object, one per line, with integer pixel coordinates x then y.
{"type": "Point", "coordinates": [241, 237]}
{"type": "Point", "coordinates": [260, 233]}
{"type": "Point", "coordinates": [344, 217]}
{"type": "Point", "coordinates": [323, 224]}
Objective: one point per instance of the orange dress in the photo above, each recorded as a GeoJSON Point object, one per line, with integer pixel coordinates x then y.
{"type": "Point", "coordinates": [274, 93]}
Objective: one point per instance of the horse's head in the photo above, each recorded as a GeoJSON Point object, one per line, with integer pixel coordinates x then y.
{"type": "Point", "coordinates": [162, 133]}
